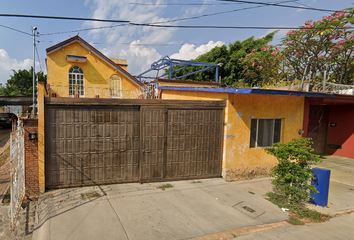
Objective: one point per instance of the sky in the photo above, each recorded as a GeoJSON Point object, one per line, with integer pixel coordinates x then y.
{"type": "Point", "coordinates": [142, 45]}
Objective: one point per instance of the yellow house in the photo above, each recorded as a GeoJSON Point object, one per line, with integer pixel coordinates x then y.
{"type": "Point", "coordinates": [76, 69]}
{"type": "Point", "coordinates": [253, 120]}
{"type": "Point", "coordinates": [149, 138]}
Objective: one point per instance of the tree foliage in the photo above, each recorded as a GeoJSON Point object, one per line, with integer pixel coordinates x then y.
{"type": "Point", "coordinates": [326, 44]}
{"type": "Point", "coordinates": [293, 173]}
{"type": "Point", "coordinates": [232, 70]}
{"type": "Point", "coordinates": [21, 83]}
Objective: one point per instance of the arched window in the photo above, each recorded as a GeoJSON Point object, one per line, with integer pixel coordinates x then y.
{"type": "Point", "coordinates": [76, 81]}
{"type": "Point", "coordinates": [115, 86]}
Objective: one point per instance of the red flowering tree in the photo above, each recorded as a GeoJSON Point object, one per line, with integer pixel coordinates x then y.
{"type": "Point", "coordinates": [326, 44]}
{"type": "Point", "coordinates": [264, 66]}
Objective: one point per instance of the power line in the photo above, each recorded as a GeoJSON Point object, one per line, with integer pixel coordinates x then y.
{"type": "Point", "coordinates": [85, 29]}
{"type": "Point", "coordinates": [179, 4]}
{"type": "Point", "coordinates": [301, 4]}
{"type": "Point", "coordinates": [224, 27]}
{"type": "Point", "coordinates": [14, 29]}
{"type": "Point", "coordinates": [213, 14]}
{"type": "Point", "coordinates": [279, 5]}
{"type": "Point", "coordinates": [61, 18]}
{"type": "Point", "coordinates": [175, 20]}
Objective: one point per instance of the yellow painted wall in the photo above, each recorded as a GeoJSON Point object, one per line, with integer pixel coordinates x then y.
{"type": "Point", "coordinates": [96, 72]}
{"type": "Point", "coordinates": [186, 84]}
{"type": "Point", "coordinates": [236, 150]}
{"type": "Point", "coordinates": [41, 136]}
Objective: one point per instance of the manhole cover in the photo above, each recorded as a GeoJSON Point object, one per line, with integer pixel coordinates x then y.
{"type": "Point", "coordinates": [249, 209]}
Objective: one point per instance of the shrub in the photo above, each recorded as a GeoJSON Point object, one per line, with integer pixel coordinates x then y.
{"type": "Point", "coordinates": [292, 176]}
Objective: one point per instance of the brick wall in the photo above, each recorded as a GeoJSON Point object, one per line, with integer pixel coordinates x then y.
{"type": "Point", "coordinates": [31, 159]}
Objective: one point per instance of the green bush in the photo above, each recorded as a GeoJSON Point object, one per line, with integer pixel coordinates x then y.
{"type": "Point", "coordinates": [292, 176]}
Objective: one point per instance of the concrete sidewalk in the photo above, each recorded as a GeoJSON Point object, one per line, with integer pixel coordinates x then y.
{"type": "Point", "coordinates": [133, 211]}
{"type": "Point", "coordinates": [341, 187]}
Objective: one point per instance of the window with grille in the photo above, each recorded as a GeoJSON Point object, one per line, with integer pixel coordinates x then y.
{"type": "Point", "coordinates": [115, 86]}
{"type": "Point", "coordinates": [265, 132]}
{"type": "Point", "coordinates": [76, 81]}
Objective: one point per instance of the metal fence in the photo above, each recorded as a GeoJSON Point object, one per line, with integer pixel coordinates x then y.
{"type": "Point", "coordinates": [17, 173]}
{"type": "Point", "coordinates": [334, 88]}
{"type": "Point", "coordinates": [102, 92]}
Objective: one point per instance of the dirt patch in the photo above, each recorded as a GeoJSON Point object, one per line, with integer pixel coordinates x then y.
{"type": "Point", "coordinates": [4, 156]}
{"type": "Point", "coordinates": [4, 133]}
{"type": "Point", "coordinates": [90, 195]}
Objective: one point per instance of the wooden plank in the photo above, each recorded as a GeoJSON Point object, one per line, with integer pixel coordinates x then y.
{"type": "Point", "coordinates": [134, 102]}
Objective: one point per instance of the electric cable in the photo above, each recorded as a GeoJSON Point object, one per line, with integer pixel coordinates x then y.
{"type": "Point", "coordinates": [278, 5]}
{"type": "Point", "coordinates": [62, 18]}
{"type": "Point", "coordinates": [14, 29]}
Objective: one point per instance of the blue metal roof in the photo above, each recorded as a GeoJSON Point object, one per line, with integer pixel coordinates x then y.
{"type": "Point", "coordinates": [252, 91]}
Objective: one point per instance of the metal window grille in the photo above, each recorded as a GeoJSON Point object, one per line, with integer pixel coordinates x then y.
{"type": "Point", "coordinates": [76, 81]}
{"type": "Point", "coordinates": [115, 86]}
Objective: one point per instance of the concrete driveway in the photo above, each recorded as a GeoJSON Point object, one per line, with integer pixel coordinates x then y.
{"type": "Point", "coordinates": [134, 211]}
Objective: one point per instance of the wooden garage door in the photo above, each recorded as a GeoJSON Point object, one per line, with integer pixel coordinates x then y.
{"type": "Point", "coordinates": [181, 144]}
{"type": "Point", "coordinates": [194, 143]}
{"type": "Point", "coordinates": [91, 145]}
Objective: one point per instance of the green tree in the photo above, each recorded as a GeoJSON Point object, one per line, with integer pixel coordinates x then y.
{"type": "Point", "coordinates": [232, 71]}
{"type": "Point", "coordinates": [326, 44]}
{"type": "Point", "coordinates": [291, 177]}
{"type": "Point", "coordinates": [21, 83]}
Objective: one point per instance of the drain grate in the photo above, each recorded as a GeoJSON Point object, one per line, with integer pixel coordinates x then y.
{"type": "Point", "coordinates": [249, 209]}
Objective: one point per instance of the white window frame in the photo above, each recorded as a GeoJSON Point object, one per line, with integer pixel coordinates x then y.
{"type": "Point", "coordinates": [115, 86]}
{"type": "Point", "coordinates": [257, 131]}
{"type": "Point", "coordinates": [76, 77]}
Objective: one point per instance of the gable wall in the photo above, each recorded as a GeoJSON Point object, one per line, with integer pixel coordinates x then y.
{"type": "Point", "coordinates": [96, 71]}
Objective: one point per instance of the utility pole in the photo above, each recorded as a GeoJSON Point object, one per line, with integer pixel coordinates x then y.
{"type": "Point", "coordinates": [34, 72]}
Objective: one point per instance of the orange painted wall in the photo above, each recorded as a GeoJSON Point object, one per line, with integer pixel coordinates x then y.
{"type": "Point", "coordinates": [239, 111]}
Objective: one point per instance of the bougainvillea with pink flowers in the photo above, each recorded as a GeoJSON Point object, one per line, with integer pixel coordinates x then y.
{"type": "Point", "coordinates": [326, 44]}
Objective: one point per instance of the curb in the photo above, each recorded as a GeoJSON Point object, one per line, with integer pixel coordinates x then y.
{"type": "Point", "coordinates": [241, 231]}
{"type": "Point", "coordinates": [341, 213]}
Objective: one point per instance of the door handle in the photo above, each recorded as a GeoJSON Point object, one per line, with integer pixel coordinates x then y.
{"type": "Point", "coordinates": [146, 151]}
{"type": "Point", "coordinates": [122, 150]}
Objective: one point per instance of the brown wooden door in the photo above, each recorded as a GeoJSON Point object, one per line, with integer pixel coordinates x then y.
{"type": "Point", "coordinates": [194, 143]}
{"type": "Point", "coordinates": [153, 142]}
{"type": "Point", "coordinates": [91, 145]}
{"type": "Point", "coordinates": [318, 127]}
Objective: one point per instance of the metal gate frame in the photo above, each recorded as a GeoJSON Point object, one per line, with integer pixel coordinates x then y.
{"type": "Point", "coordinates": [143, 104]}
{"type": "Point", "coordinates": [17, 173]}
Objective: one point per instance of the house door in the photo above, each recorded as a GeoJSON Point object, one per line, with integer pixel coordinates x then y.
{"type": "Point", "coordinates": [318, 127]}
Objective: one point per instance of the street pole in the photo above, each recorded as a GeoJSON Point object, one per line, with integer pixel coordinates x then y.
{"type": "Point", "coordinates": [34, 72]}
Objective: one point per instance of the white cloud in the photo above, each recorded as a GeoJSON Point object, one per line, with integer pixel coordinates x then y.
{"type": "Point", "coordinates": [123, 10]}
{"type": "Point", "coordinates": [189, 51]}
{"type": "Point", "coordinates": [278, 35]}
{"type": "Point", "coordinates": [300, 9]}
{"type": "Point", "coordinates": [139, 57]}
{"type": "Point", "coordinates": [8, 64]}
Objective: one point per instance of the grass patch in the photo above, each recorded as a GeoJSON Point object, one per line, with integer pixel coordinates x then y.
{"type": "Point", "coordinates": [299, 214]}
{"type": "Point", "coordinates": [4, 156]}
{"type": "Point", "coordinates": [90, 195]}
{"type": "Point", "coordinates": [196, 182]}
{"type": "Point", "coordinates": [7, 196]}
{"type": "Point", "coordinates": [163, 187]}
